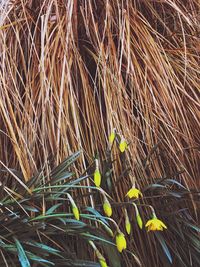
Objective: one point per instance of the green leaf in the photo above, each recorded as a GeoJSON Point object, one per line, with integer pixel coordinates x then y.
{"type": "Point", "coordinates": [194, 227]}
{"type": "Point", "coordinates": [62, 167]}
{"type": "Point", "coordinates": [43, 247]}
{"type": "Point", "coordinates": [78, 180]}
{"type": "Point", "coordinates": [112, 255]}
{"type": "Point", "coordinates": [29, 208]}
{"type": "Point", "coordinates": [172, 181]}
{"type": "Point", "coordinates": [97, 214]}
{"type": "Point", "coordinates": [39, 259]}
{"type": "Point", "coordinates": [53, 208]}
{"type": "Point", "coordinates": [21, 254]}
{"type": "Point", "coordinates": [164, 246]}
{"type": "Point", "coordinates": [94, 237]}
{"type": "Point", "coordinates": [61, 177]}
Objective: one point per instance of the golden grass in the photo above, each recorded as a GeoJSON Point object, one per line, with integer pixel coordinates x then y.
{"type": "Point", "coordinates": [71, 72]}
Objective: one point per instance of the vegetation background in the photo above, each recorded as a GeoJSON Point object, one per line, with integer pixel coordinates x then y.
{"type": "Point", "coordinates": [72, 71]}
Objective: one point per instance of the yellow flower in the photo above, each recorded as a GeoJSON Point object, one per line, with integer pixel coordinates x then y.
{"type": "Point", "coordinates": [97, 178]}
{"type": "Point", "coordinates": [103, 263]}
{"type": "Point", "coordinates": [120, 241]}
{"type": "Point", "coordinates": [139, 221]}
{"type": "Point", "coordinates": [107, 208]}
{"type": "Point", "coordinates": [123, 145]}
{"type": "Point", "coordinates": [134, 193]}
{"type": "Point", "coordinates": [155, 225]}
{"type": "Point", "coordinates": [76, 212]}
{"type": "Point", "coordinates": [112, 137]}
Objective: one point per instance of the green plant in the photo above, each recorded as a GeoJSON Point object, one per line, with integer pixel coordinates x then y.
{"type": "Point", "coordinates": [39, 227]}
{"type": "Point", "coordinates": [47, 220]}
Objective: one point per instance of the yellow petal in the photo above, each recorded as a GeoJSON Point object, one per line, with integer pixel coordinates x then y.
{"type": "Point", "coordinates": [123, 146]}
{"type": "Point", "coordinates": [97, 178]}
{"type": "Point", "coordinates": [120, 242]}
{"type": "Point", "coordinates": [134, 193]}
{"type": "Point", "coordinates": [162, 223]}
{"type": "Point", "coordinates": [107, 208]}
{"type": "Point", "coordinates": [148, 223]}
{"type": "Point", "coordinates": [155, 225]}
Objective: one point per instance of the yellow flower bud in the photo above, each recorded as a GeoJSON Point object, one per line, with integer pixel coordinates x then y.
{"type": "Point", "coordinates": [103, 263]}
{"type": "Point", "coordinates": [123, 145]}
{"type": "Point", "coordinates": [112, 137]}
{"type": "Point", "coordinates": [139, 221]}
{"type": "Point", "coordinates": [97, 178]}
{"type": "Point", "coordinates": [107, 208]}
{"type": "Point", "coordinates": [128, 227]}
{"type": "Point", "coordinates": [101, 258]}
{"type": "Point", "coordinates": [120, 241]}
{"type": "Point", "coordinates": [127, 223]}
{"type": "Point", "coordinates": [76, 212]}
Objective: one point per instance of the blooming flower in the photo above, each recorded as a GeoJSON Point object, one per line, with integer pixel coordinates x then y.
{"type": "Point", "coordinates": [134, 193]}
{"type": "Point", "coordinates": [123, 145]}
{"type": "Point", "coordinates": [155, 225]}
{"type": "Point", "coordinates": [97, 178]}
{"type": "Point", "coordinates": [76, 212]}
{"type": "Point", "coordinates": [120, 241]}
{"type": "Point", "coordinates": [107, 208]}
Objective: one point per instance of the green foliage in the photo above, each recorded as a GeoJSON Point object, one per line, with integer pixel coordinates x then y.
{"type": "Point", "coordinates": [39, 227]}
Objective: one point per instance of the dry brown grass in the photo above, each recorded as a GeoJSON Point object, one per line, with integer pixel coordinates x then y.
{"type": "Point", "coordinates": [71, 71]}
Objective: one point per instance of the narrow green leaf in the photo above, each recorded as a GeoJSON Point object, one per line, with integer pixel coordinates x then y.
{"type": "Point", "coordinates": [97, 214]}
{"type": "Point", "coordinates": [22, 254]}
{"type": "Point", "coordinates": [43, 247]}
{"type": "Point", "coordinates": [164, 246]}
{"type": "Point", "coordinates": [194, 227]}
{"type": "Point", "coordinates": [53, 208]}
{"type": "Point", "coordinates": [61, 177]}
{"type": "Point", "coordinates": [172, 181]}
